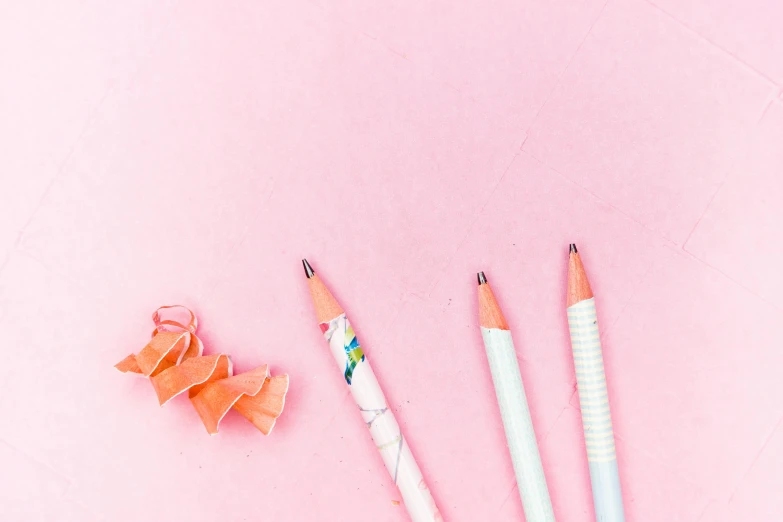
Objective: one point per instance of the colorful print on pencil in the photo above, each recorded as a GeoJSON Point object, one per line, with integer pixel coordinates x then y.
{"type": "Point", "coordinates": [353, 351]}
{"type": "Point", "coordinates": [379, 419]}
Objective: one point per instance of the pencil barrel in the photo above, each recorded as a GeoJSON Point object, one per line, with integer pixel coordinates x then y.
{"type": "Point", "coordinates": [596, 417]}
{"type": "Point", "coordinates": [381, 423]}
{"type": "Point", "coordinates": [518, 425]}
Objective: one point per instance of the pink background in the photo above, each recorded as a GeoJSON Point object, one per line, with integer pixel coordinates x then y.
{"type": "Point", "coordinates": [192, 152]}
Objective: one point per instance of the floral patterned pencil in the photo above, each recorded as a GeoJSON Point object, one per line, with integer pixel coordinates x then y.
{"type": "Point", "coordinates": [383, 427]}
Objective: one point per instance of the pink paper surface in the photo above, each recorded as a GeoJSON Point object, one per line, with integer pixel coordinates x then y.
{"type": "Point", "coordinates": [160, 153]}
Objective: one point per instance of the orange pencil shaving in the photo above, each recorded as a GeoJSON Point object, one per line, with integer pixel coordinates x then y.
{"type": "Point", "coordinates": [174, 363]}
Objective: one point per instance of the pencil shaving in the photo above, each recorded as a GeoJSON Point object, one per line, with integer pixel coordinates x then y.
{"type": "Point", "coordinates": [173, 360]}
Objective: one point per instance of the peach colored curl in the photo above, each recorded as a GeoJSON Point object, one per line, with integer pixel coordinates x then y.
{"type": "Point", "coordinates": [174, 363]}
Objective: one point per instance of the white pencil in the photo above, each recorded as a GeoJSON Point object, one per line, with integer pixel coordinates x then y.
{"type": "Point", "coordinates": [593, 396]}
{"type": "Point", "coordinates": [514, 410]}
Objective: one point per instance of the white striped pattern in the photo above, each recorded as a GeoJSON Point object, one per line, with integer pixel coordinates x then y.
{"type": "Point", "coordinates": [591, 381]}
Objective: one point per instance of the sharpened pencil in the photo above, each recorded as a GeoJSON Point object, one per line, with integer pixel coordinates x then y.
{"type": "Point", "coordinates": [369, 397]}
{"type": "Point", "coordinates": [514, 411]}
{"type": "Point", "coordinates": [593, 396]}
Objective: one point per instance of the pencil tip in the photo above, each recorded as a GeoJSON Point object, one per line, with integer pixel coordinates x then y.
{"type": "Point", "coordinates": [308, 269]}
{"type": "Point", "coordinates": [482, 279]}
{"type": "Point", "coordinates": [572, 248]}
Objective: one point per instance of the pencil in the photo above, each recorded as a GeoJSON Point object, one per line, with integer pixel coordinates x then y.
{"type": "Point", "coordinates": [514, 411]}
{"type": "Point", "coordinates": [369, 397]}
{"type": "Point", "coordinates": [593, 396]}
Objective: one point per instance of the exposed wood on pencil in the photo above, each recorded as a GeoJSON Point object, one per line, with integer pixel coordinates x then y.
{"type": "Point", "coordinates": [578, 285]}
{"type": "Point", "coordinates": [490, 315]}
{"type": "Point", "coordinates": [326, 306]}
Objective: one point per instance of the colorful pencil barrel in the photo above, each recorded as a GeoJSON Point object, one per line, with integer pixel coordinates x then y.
{"type": "Point", "coordinates": [371, 402]}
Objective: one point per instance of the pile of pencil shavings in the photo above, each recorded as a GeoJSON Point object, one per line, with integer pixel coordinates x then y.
{"type": "Point", "coordinates": [173, 361]}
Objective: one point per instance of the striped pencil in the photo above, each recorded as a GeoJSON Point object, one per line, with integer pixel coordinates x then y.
{"type": "Point", "coordinates": [384, 429]}
{"type": "Point", "coordinates": [514, 411]}
{"type": "Point", "coordinates": [593, 397]}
